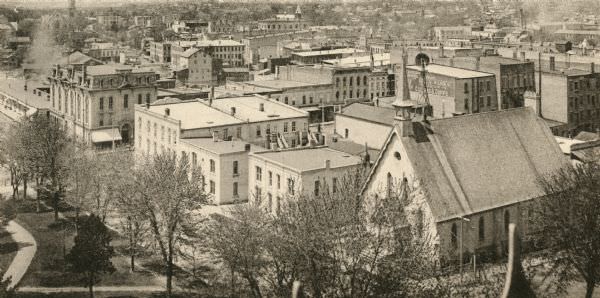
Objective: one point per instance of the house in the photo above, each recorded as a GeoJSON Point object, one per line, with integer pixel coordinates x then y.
{"type": "Point", "coordinates": [474, 174]}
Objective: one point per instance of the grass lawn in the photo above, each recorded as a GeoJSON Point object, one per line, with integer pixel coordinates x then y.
{"type": "Point", "coordinates": [55, 239]}
{"type": "Point", "coordinates": [8, 249]}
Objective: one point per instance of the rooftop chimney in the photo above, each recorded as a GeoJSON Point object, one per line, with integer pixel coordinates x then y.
{"type": "Point", "coordinates": [261, 107]}
{"type": "Point", "coordinates": [147, 105]}
{"type": "Point", "coordinates": [592, 67]}
{"type": "Point", "coordinates": [232, 111]}
{"type": "Point", "coordinates": [167, 112]}
{"type": "Point", "coordinates": [327, 164]}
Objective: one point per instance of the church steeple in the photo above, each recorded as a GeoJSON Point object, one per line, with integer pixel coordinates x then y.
{"type": "Point", "coordinates": [403, 104]}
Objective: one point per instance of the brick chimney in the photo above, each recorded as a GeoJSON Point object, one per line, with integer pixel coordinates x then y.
{"type": "Point", "coordinates": [327, 164]}
{"type": "Point", "coordinates": [167, 112]}
{"type": "Point", "coordinates": [261, 107]}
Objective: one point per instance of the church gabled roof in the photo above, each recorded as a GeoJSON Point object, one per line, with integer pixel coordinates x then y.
{"type": "Point", "coordinates": [479, 162]}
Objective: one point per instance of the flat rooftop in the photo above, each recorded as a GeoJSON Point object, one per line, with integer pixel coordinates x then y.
{"type": "Point", "coordinates": [218, 147]}
{"type": "Point", "coordinates": [309, 159]}
{"type": "Point", "coordinates": [208, 43]}
{"type": "Point", "coordinates": [196, 114]}
{"type": "Point", "coordinates": [247, 108]}
{"type": "Point", "coordinates": [110, 69]}
{"type": "Point", "coordinates": [15, 88]}
{"type": "Point", "coordinates": [364, 60]}
{"type": "Point", "coordinates": [281, 84]}
{"type": "Point", "coordinates": [450, 71]}
{"type": "Point", "coordinates": [328, 52]}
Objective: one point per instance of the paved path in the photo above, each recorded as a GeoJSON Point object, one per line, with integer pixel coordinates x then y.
{"type": "Point", "coordinates": [22, 260]}
{"type": "Point", "coordinates": [96, 289]}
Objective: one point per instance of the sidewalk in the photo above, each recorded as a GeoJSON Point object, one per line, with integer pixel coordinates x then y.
{"type": "Point", "coordinates": [96, 289]}
{"type": "Point", "coordinates": [22, 260]}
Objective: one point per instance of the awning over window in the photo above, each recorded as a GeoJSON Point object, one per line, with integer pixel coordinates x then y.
{"type": "Point", "coordinates": [106, 135]}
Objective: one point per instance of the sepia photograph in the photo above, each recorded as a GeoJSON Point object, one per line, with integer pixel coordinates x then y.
{"type": "Point", "coordinates": [299, 148]}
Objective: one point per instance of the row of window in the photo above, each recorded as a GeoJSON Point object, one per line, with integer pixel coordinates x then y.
{"type": "Point", "coordinates": [480, 104]}
{"type": "Point", "coordinates": [258, 176]}
{"type": "Point", "coordinates": [268, 128]}
{"type": "Point", "coordinates": [125, 101]}
{"type": "Point", "coordinates": [171, 134]}
{"type": "Point", "coordinates": [481, 229]}
{"type": "Point", "coordinates": [350, 81]}
{"type": "Point", "coordinates": [107, 83]}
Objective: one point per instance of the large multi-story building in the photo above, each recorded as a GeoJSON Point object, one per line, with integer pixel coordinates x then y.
{"type": "Point", "coordinates": [312, 97]}
{"type": "Point", "coordinates": [217, 136]}
{"type": "Point", "coordinates": [254, 119]}
{"type": "Point", "coordinates": [277, 175]}
{"type": "Point", "coordinates": [454, 91]}
{"type": "Point", "coordinates": [513, 77]}
{"type": "Point", "coordinates": [571, 97]}
{"type": "Point", "coordinates": [224, 167]}
{"type": "Point", "coordinates": [97, 103]}
{"type": "Point", "coordinates": [350, 83]}
{"type": "Point", "coordinates": [202, 68]}
{"type": "Point", "coordinates": [229, 51]}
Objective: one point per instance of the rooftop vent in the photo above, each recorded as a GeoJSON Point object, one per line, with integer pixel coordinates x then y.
{"type": "Point", "coordinates": [261, 107]}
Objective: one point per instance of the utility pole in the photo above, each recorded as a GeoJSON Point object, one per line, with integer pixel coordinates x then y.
{"type": "Point", "coordinates": [462, 219]}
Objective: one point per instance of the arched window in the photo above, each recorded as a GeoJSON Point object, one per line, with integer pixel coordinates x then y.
{"type": "Point", "coordinates": [454, 236]}
{"type": "Point", "coordinates": [506, 221]}
{"type": "Point", "coordinates": [390, 184]}
{"type": "Point", "coordinates": [140, 99]}
{"type": "Point", "coordinates": [481, 229]}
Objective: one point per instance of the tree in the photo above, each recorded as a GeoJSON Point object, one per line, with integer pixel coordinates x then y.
{"type": "Point", "coordinates": [240, 243]}
{"type": "Point", "coordinates": [92, 251]}
{"type": "Point", "coordinates": [82, 170]}
{"type": "Point", "coordinates": [570, 223]}
{"type": "Point", "coordinates": [50, 149]}
{"type": "Point", "coordinates": [131, 223]}
{"type": "Point", "coordinates": [14, 152]}
{"type": "Point", "coordinates": [336, 243]}
{"type": "Point", "coordinates": [169, 192]}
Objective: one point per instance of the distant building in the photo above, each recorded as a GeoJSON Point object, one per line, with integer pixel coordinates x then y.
{"type": "Point", "coordinates": [455, 91]}
{"type": "Point", "coordinates": [315, 57]}
{"type": "Point", "coordinates": [190, 26]}
{"type": "Point", "coordinates": [229, 51]}
{"type": "Point", "coordinates": [160, 51]}
{"type": "Point", "coordinates": [202, 68]}
{"type": "Point", "coordinates": [513, 77]}
{"type": "Point", "coordinates": [463, 198]}
{"type": "Point", "coordinates": [350, 83]}
{"type": "Point", "coordinates": [277, 175]}
{"type": "Point", "coordinates": [285, 22]}
{"type": "Point", "coordinates": [111, 21]}
{"type": "Point", "coordinates": [96, 103]}
{"type": "Point", "coordinates": [572, 98]}
{"type": "Point", "coordinates": [455, 32]}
